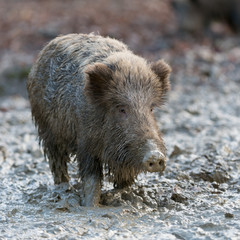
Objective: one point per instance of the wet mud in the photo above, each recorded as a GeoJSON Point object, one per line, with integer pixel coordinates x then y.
{"type": "Point", "coordinates": [197, 197]}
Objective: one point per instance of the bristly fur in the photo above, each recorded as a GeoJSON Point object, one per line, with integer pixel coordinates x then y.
{"type": "Point", "coordinates": [77, 89]}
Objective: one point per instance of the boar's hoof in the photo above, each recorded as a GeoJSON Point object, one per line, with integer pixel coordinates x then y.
{"type": "Point", "coordinates": [154, 161]}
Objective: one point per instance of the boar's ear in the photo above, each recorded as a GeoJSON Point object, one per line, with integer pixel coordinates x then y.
{"type": "Point", "coordinates": [162, 70]}
{"type": "Point", "coordinates": [97, 82]}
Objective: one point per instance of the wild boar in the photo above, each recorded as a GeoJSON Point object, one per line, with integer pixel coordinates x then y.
{"type": "Point", "coordinates": [92, 98]}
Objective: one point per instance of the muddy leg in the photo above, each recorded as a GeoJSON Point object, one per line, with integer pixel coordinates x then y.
{"type": "Point", "coordinates": [58, 163]}
{"type": "Point", "coordinates": [91, 191]}
{"type": "Point", "coordinates": [91, 175]}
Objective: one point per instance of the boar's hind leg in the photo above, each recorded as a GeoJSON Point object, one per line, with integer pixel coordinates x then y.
{"type": "Point", "coordinates": [91, 175]}
{"type": "Point", "coordinates": [58, 163]}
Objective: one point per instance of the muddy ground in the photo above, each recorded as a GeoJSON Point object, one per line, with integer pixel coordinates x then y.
{"type": "Point", "coordinates": [198, 196]}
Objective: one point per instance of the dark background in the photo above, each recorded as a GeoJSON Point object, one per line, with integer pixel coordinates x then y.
{"type": "Point", "coordinates": [150, 28]}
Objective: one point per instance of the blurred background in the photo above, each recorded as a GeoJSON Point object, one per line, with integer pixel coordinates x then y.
{"type": "Point", "coordinates": [154, 29]}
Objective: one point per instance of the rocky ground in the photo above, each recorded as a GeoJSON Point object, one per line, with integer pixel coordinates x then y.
{"type": "Point", "coordinates": [198, 197]}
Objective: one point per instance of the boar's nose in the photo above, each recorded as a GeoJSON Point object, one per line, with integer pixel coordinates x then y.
{"type": "Point", "coordinates": [154, 161]}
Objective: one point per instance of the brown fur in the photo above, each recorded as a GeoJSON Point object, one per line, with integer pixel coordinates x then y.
{"type": "Point", "coordinates": [93, 98]}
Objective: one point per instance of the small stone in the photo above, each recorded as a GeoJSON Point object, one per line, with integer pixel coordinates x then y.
{"type": "Point", "coordinates": [63, 205]}
{"type": "Point", "coordinates": [176, 151]}
{"type": "Point", "coordinates": [229, 215]}
{"type": "Point", "coordinates": [176, 197]}
{"type": "Point", "coordinates": [107, 216]}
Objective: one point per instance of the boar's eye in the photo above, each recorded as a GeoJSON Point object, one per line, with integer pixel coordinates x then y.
{"type": "Point", "coordinates": [122, 110]}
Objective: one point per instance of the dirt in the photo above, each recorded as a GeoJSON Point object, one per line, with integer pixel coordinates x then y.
{"type": "Point", "coordinates": [197, 197]}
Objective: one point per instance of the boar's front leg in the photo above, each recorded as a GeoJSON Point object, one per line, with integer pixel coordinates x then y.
{"type": "Point", "coordinates": [90, 170]}
{"type": "Point", "coordinates": [91, 191]}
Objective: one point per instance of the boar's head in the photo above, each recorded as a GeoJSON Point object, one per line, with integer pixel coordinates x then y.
{"type": "Point", "coordinates": [127, 90]}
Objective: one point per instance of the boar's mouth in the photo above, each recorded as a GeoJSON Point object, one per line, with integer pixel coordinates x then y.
{"type": "Point", "coordinates": [125, 163]}
{"type": "Point", "coordinates": [126, 158]}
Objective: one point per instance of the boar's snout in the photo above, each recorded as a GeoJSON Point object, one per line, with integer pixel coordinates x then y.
{"type": "Point", "coordinates": [154, 160]}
